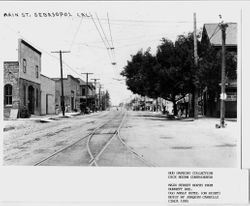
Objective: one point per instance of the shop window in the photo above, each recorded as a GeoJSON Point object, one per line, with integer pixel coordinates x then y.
{"type": "Point", "coordinates": [24, 66]}
{"type": "Point", "coordinates": [37, 98]}
{"type": "Point", "coordinates": [24, 95]}
{"type": "Point", "coordinates": [7, 94]}
{"type": "Point", "coordinates": [37, 72]}
{"type": "Point", "coordinates": [83, 92]}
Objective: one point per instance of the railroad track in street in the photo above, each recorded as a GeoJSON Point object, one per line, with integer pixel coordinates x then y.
{"type": "Point", "coordinates": [98, 140]}
{"type": "Point", "coordinates": [146, 162]}
{"type": "Point", "coordinates": [70, 145]}
{"type": "Point", "coordinates": [116, 133]}
{"type": "Point", "coordinates": [95, 157]}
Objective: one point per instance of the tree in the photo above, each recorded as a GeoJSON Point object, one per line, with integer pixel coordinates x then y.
{"type": "Point", "coordinates": [105, 100]}
{"type": "Point", "coordinates": [177, 71]}
{"type": "Point", "coordinates": [172, 74]}
{"type": "Point", "coordinates": [167, 75]}
{"type": "Point", "coordinates": [141, 75]}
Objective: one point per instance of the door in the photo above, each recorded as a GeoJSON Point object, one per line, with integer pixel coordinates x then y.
{"type": "Point", "coordinates": [72, 101]}
{"type": "Point", "coordinates": [47, 104]}
{"type": "Point", "coordinates": [31, 98]}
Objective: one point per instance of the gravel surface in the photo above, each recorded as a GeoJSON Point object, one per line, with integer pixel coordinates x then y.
{"type": "Point", "coordinates": [182, 143]}
{"type": "Point", "coordinates": [31, 140]}
{"type": "Point", "coordinates": [159, 141]}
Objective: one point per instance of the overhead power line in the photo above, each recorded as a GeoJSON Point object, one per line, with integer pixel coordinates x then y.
{"type": "Point", "coordinates": [43, 50]}
{"type": "Point", "coordinates": [77, 30]}
{"type": "Point", "coordinates": [146, 21]}
{"type": "Point", "coordinates": [110, 47]}
{"type": "Point", "coordinates": [215, 31]}
{"type": "Point", "coordinates": [101, 37]}
{"type": "Point", "coordinates": [112, 43]}
{"type": "Point", "coordinates": [62, 89]}
{"type": "Point", "coordinates": [104, 34]}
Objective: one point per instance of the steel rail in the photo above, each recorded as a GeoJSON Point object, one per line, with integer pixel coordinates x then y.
{"type": "Point", "coordinates": [72, 144]}
{"type": "Point", "coordinates": [133, 151]}
{"type": "Point", "coordinates": [94, 159]}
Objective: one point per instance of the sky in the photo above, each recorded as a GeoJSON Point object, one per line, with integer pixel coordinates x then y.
{"type": "Point", "coordinates": [133, 26]}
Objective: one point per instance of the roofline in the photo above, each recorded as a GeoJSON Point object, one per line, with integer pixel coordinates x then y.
{"type": "Point", "coordinates": [30, 46]}
{"type": "Point", "coordinates": [7, 62]}
{"type": "Point", "coordinates": [47, 77]}
{"type": "Point", "coordinates": [226, 45]}
{"type": "Point", "coordinates": [59, 79]}
{"type": "Point", "coordinates": [219, 23]}
{"type": "Point", "coordinates": [217, 45]}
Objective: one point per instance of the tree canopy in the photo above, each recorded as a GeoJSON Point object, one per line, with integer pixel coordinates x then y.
{"type": "Point", "coordinates": [171, 72]}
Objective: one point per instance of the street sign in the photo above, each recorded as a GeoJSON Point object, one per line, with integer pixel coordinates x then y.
{"type": "Point", "coordinates": [223, 96]}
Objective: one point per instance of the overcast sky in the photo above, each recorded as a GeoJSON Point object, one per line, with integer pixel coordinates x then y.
{"type": "Point", "coordinates": [133, 25]}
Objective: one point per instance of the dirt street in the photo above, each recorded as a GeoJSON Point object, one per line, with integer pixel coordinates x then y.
{"type": "Point", "coordinates": [146, 139]}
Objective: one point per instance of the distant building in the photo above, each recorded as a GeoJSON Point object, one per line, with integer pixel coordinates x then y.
{"type": "Point", "coordinates": [71, 93]}
{"type": "Point", "coordinates": [22, 81]}
{"type": "Point", "coordinates": [211, 36]}
{"type": "Point", "coordinates": [87, 95]}
{"type": "Point", "coordinates": [48, 94]}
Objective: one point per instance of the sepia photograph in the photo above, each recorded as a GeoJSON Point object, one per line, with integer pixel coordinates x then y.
{"type": "Point", "coordinates": [120, 84]}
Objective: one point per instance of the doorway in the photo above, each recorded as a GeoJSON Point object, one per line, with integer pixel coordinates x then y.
{"type": "Point", "coordinates": [47, 104]}
{"type": "Point", "coordinates": [31, 98]}
{"type": "Point", "coordinates": [72, 101]}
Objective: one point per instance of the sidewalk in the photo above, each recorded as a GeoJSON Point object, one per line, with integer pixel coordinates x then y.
{"type": "Point", "coordinates": [20, 122]}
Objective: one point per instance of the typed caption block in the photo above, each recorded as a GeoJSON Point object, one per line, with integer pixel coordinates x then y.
{"type": "Point", "coordinates": [207, 186]}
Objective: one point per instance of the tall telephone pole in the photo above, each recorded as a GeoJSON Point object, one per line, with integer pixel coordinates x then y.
{"type": "Point", "coordinates": [87, 91]}
{"type": "Point", "coordinates": [195, 97]}
{"type": "Point", "coordinates": [95, 80]}
{"type": "Point", "coordinates": [223, 27]}
{"type": "Point", "coordinates": [61, 68]}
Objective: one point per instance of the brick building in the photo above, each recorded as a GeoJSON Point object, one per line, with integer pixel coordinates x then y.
{"type": "Point", "coordinates": [71, 93]}
{"type": "Point", "coordinates": [22, 82]}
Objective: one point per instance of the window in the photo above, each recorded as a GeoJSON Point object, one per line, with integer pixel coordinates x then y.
{"type": "Point", "coordinates": [37, 72]}
{"type": "Point", "coordinates": [37, 98]}
{"type": "Point", "coordinates": [7, 94]}
{"type": "Point", "coordinates": [24, 95]}
{"type": "Point", "coordinates": [83, 92]}
{"type": "Point", "coordinates": [24, 65]}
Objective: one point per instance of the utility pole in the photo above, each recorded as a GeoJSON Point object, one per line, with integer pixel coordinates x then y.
{"type": "Point", "coordinates": [87, 91]}
{"type": "Point", "coordinates": [95, 80]}
{"type": "Point", "coordinates": [223, 27]}
{"type": "Point", "coordinates": [195, 97]}
{"type": "Point", "coordinates": [61, 68]}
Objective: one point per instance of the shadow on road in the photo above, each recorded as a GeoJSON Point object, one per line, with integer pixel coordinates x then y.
{"type": "Point", "coordinates": [158, 117]}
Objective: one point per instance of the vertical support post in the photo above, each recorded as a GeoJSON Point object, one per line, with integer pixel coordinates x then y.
{"type": "Point", "coordinates": [195, 96]}
{"type": "Point", "coordinates": [62, 91]}
{"type": "Point", "coordinates": [61, 71]}
{"type": "Point", "coordinates": [223, 94]}
{"type": "Point", "coordinates": [95, 80]}
{"type": "Point", "coordinates": [87, 90]}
